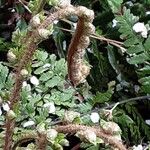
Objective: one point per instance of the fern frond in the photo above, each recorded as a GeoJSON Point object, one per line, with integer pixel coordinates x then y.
{"type": "Point", "coordinates": [138, 49]}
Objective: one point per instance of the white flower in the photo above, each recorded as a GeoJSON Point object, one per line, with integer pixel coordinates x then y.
{"type": "Point", "coordinates": [47, 65]}
{"type": "Point", "coordinates": [34, 80]}
{"type": "Point", "coordinates": [147, 122]}
{"type": "Point", "coordinates": [114, 21]}
{"type": "Point", "coordinates": [140, 28]}
{"type": "Point", "coordinates": [94, 117]}
{"type": "Point", "coordinates": [139, 147]}
{"type": "Point", "coordinates": [50, 106]}
{"type": "Point", "coordinates": [28, 123]}
{"type": "Point", "coordinates": [6, 106]}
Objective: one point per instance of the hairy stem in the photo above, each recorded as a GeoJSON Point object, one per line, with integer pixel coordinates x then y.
{"type": "Point", "coordinates": [30, 44]}
{"type": "Point", "coordinates": [41, 142]}
{"type": "Point", "coordinates": [14, 98]}
{"type": "Point", "coordinates": [20, 142]}
{"type": "Point", "coordinates": [10, 124]}
{"type": "Point", "coordinates": [108, 138]}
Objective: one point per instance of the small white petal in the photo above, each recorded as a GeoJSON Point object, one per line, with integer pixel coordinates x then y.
{"type": "Point", "coordinates": [55, 21]}
{"type": "Point", "coordinates": [28, 123]}
{"type": "Point", "coordinates": [129, 3]}
{"type": "Point", "coordinates": [34, 80]}
{"type": "Point", "coordinates": [140, 28]}
{"type": "Point", "coordinates": [24, 84]}
{"type": "Point", "coordinates": [75, 25]}
{"type": "Point", "coordinates": [6, 106]}
{"type": "Point", "coordinates": [13, 10]}
{"type": "Point", "coordinates": [47, 65]}
{"type": "Point", "coordinates": [114, 21]}
{"type": "Point", "coordinates": [147, 122]}
{"type": "Point", "coordinates": [136, 88]}
{"type": "Point", "coordinates": [148, 13]}
{"type": "Point", "coordinates": [90, 50]}
{"type": "Point", "coordinates": [50, 106]}
{"type": "Point", "coordinates": [123, 49]}
{"type": "Point", "coordinates": [64, 45]}
{"type": "Point", "coordinates": [0, 111]}
{"type": "Point", "coordinates": [139, 147]}
{"type": "Point", "coordinates": [94, 117]}
{"type": "Point", "coordinates": [144, 34]}
{"type": "Point", "coordinates": [29, 96]}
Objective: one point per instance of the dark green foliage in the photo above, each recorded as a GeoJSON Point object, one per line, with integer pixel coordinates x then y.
{"type": "Point", "coordinates": [116, 74]}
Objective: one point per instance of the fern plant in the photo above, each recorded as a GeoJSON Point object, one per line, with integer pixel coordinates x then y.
{"type": "Point", "coordinates": [137, 50]}
{"type": "Point", "coordinates": [137, 47]}
{"type": "Point", "coordinates": [43, 106]}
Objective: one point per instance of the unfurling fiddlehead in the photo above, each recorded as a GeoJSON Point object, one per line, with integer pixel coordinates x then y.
{"type": "Point", "coordinates": [77, 68]}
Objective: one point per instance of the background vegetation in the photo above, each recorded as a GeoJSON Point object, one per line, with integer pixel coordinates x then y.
{"type": "Point", "coordinates": [120, 74]}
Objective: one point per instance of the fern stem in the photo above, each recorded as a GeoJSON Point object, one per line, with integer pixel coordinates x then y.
{"type": "Point", "coordinates": [31, 41]}
{"type": "Point", "coordinates": [41, 142]}
{"type": "Point", "coordinates": [108, 138]}
{"type": "Point", "coordinates": [126, 101]}
{"type": "Point", "coordinates": [18, 143]}
{"type": "Point", "coordinates": [101, 38]}
{"type": "Point", "coordinates": [10, 124]}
